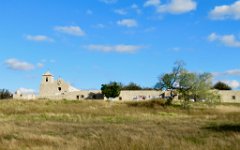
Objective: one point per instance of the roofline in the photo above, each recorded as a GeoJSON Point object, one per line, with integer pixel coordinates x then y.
{"type": "Point", "coordinates": [47, 75]}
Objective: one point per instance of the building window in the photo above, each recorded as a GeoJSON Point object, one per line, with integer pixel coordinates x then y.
{"type": "Point", "coordinates": [120, 98]}
{"type": "Point", "coordinates": [47, 79]}
{"type": "Point", "coordinates": [233, 97]}
{"type": "Point", "coordinates": [59, 88]}
{"type": "Point", "coordinates": [77, 97]}
{"type": "Point", "coordinates": [82, 96]}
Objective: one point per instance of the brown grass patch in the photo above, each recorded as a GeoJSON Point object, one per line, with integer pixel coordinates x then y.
{"type": "Point", "coordinates": [106, 125]}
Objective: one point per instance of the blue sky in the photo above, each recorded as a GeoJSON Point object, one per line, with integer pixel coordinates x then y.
{"type": "Point", "coordinates": [89, 43]}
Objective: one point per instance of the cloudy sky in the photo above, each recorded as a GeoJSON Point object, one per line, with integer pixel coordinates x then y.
{"type": "Point", "coordinates": [96, 41]}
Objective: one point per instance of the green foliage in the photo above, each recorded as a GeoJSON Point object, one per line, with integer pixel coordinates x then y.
{"type": "Point", "coordinates": [188, 85]}
{"type": "Point", "coordinates": [132, 86]}
{"type": "Point", "coordinates": [148, 88]}
{"type": "Point", "coordinates": [5, 94]}
{"type": "Point", "coordinates": [111, 90]}
{"type": "Point", "coordinates": [222, 86]}
{"type": "Point", "coordinates": [168, 81]}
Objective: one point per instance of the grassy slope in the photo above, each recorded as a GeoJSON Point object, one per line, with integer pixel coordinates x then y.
{"type": "Point", "coordinates": [103, 125]}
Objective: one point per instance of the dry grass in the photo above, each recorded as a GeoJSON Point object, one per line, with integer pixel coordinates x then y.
{"type": "Point", "coordinates": [106, 125]}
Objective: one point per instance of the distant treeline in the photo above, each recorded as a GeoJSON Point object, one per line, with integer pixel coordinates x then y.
{"type": "Point", "coordinates": [5, 94]}
{"type": "Point", "coordinates": [133, 86]}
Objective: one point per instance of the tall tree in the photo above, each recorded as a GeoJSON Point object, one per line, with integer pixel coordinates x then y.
{"type": "Point", "coordinates": [221, 86]}
{"type": "Point", "coordinates": [188, 85]}
{"type": "Point", "coordinates": [132, 86]}
{"type": "Point", "coordinates": [111, 90]}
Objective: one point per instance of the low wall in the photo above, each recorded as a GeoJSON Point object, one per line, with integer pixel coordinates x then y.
{"type": "Point", "coordinates": [229, 96]}
{"type": "Point", "coordinates": [76, 95]}
{"type": "Point", "coordinates": [24, 96]}
{"type": "Point", "coordinates": [138, 95]}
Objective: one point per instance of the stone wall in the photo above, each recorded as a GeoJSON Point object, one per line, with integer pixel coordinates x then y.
{"type": "Point", "coordinates": [76, 95]}
{"type": "Point", "coordinates": [230, 96]}
{"type": "Point", "coordinates": [139, 95]}
{"type": "Point", "coordinates": [226, 96]}
{"type": "Point", "coordinates": [20, 96]}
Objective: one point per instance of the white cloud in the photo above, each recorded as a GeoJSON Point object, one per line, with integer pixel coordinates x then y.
{"type": "Point", "coordinates": [99, 26]}
{"type": "Point", "coordinates": [173, 7]}
{"type": "Point", "coordinates": [52, 61]}
{"type": "Point", "coordinates": [38, 38]}
{"type": "Point", "coordinates": [155, 3]}
{"type": "Point", "coordinates": [226, 12]}
{"type": "Point", "coordinates": [178, 6]}
{"type": "Point", "coordinates": [128, 23]}
{"type": "Point", "coordinates": [40, 65]}
{"type": "Point", "coordinates": [232, 83]}
{"type": "Point", "coordinates": [108, 1]}
{"type": "Point", "coordinates": [136, 8]}
{"type": "Point", "coordinates": [71, 30]}
{"type": "Point", "coordinates": [228, 40]}
{"type": "Point", "coordinates": [115, 48]}
{"type": "Point", "coordinates": [120, 11]}
{"type": "Point", "coordinates": [212, 37]}
{"type": "Point", "coordinates": [43, 61]}
{"type": "Point", "coordinates": [15, 64]}
{"type": "Point", "coordinates": [124, 11]}
{"type": "Point", "coordinates": [25, 91]}
{"type": "Point", "coordinates": [150, 29]}
{"type": "Point", "coordinates": [89, 12]}
{"type": "Point", "coordinates": [176, 49]}
{"type": "Point", "coordinates": [233, 72]}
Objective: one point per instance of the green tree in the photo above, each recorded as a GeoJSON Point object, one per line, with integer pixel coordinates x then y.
{"type": "Point", "coordinates": [221, 86]}
{"type": "Point", "coordinates": [132, 86]}
{"type": "Point", "coordinates": [170, 81]}
{"type": "Point", "coordinates": [5, 94]}
{"type": "Point", "coordinates": [111, 90]}
{"type": "Point", "coordinates": [186, 84]}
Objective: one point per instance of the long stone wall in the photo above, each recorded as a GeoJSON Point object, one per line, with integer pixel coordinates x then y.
{"type": "Point", "coordinates": [226, 96]}
{"type": "Point", "coordinates": [139, 95]}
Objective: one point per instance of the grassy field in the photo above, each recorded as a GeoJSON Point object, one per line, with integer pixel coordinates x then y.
{"type": "Point", "coordinates": [107, 125]}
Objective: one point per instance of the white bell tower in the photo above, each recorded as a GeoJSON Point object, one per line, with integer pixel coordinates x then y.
{"type": "Point", "coordinates": [47, 78]}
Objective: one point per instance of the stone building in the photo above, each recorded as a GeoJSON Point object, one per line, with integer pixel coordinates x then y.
{"type": "Point", "coordinates": [230, 96]}
{"type": "Point", "coordinates": [26, 96]}
{"type": "Point", "coordinates": [59, 89]}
